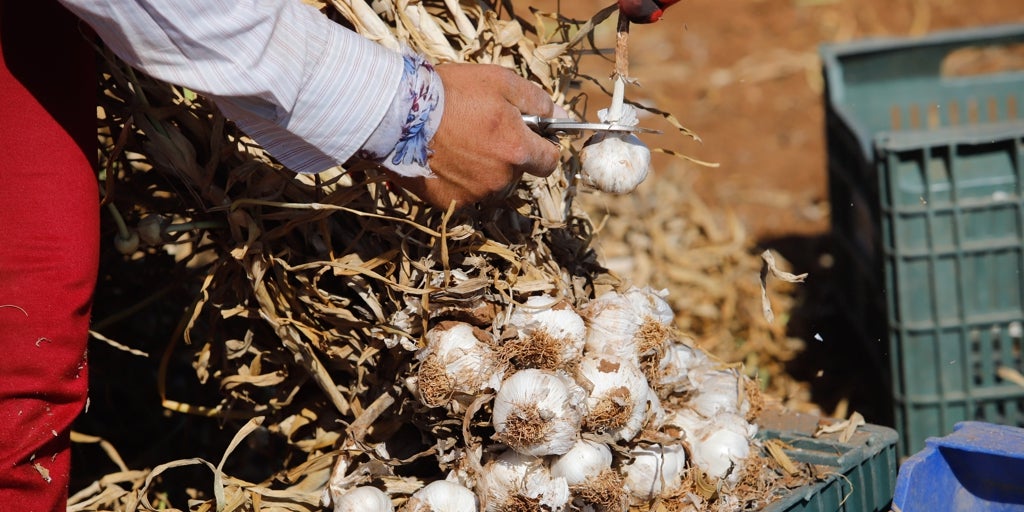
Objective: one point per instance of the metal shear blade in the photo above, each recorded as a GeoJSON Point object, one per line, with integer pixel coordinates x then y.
{"type": "Point", "coordinates": [552, 126]}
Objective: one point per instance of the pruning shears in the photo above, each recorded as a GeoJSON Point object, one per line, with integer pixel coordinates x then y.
{"type": "Point", "coordinates": [562, 126]}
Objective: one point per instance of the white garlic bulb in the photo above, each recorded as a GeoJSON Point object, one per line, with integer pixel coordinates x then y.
{"type": "Point", "coordinates": [363, 499]}
{"type": "Point", "coordinates": [680, 365]}
{"type": "Point", "coordinates": [585, 461]}
{"type": "Point", "coordinates": [719, 446]}
{"type": "Point", "coordinates": [457, 362]}
{"type": "Point", "coordinates": [538, 412]}
{"type": "Point", "coordinates": [632, 324]}
{"type": "Point", "coordinates": [615, 162]}
{"type": "Point", "coordinates": [617, 404]}
{"type": "Point", "coordinates": [550, 333]}
{"type": "Point", "coordinates": [520, 482]}
{"type": "Point", "coordinates": [595, 486]}
{"type": "Point", "coordinates": [442, 496]}
{"type": "Point", "coordinates": [720, 392]}
{"type": "Point", "coordinates": [654, 471]}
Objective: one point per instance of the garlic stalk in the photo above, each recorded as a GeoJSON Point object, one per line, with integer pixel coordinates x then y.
{"type": "Point", "coordinates": [550, 334]}
{"type": "Point", "coordinates": [654, 471]}
{"type": "Point", "coordinates": [514, 482]}
{"type": "Point", "coordinates": [617, 404]}
{"type": "Point", "coordinates": [442, 496]}
{"type": "Point", "coordinates": [537, 412]}
{"type": "Point", "coordinates": [457, 362]}
{"type": "Point", "coordinates": [363, 499]}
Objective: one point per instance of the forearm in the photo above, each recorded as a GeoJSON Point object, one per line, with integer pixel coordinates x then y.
{"type": "Point", "coordinates": [308, 90]}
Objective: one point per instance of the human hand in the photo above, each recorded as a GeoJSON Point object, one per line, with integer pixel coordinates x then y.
{"type": "Point", "coordinates": [482, 146]}
{"type": "Point", "coordinates": [644, 11]}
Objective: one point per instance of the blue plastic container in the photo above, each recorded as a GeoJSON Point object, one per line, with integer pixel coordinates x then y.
{"type": "Point", "coordinates": [979, 467]}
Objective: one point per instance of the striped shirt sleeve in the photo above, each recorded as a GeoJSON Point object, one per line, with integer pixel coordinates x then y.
{"type": "Point", "coordinates": [308, 90]}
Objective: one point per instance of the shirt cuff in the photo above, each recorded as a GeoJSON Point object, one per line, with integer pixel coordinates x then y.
{"type": "Point", "coordinates": [400, 142]}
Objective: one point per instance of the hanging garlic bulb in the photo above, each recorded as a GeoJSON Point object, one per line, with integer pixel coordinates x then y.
{"type": "Point", "coordinates": [587, 468]}
{"type": "Point", "coordinates": [363, 499]}
{"type": "Point", "coordinates": [617, 404]}
{"type": "Point", "coordinates": [538, 412]}
{"type": "Point", "coordinates": [654, 471]}
{"type": "Point", "coordinates": [550, 334]}
{"type": "Point", "coordinates": [615, 162]}
{"type": "Point", "coordinates": [514, 482]}
{"type": "Point", "coordinates": [442, 496]}
{"type": "Point", "coordinates": [457, 361]}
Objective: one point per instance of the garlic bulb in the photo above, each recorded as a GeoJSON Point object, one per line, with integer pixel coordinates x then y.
{"type": "Point", "coordinates": [537, 412]}
{"type": "Point", "coordinates": [442, 496]}
{"type": "Point", "coordinates": [632, 324]}
{"type": "Point", "coordinates": [720, 392]}
{"type": "Point", "coordinates": [583, 462]}
{"type": "Point", "coordinates": [617, 404]}
{"type": "Point", "coordinates": [615, 162]}
{"type": "Point", "coordinates": [520, 483]}
{"type": "Point", "coordinates": [363, 499]}
{"type": "Point", "coordinates": [654, 471]}
{"type": "Point", "coordinates": [595, 486]}
{"type": "Point", "coordinates": [457, 361]}
{"type": "Point", "coordinates": [550, 334]}
{"type": "Point", "coordinates": [718, 445]}
{"type": "Point", "coordinates": [680, 365]}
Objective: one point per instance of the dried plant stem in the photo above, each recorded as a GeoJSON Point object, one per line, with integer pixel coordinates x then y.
{"type": "Point", "coordinates": [621, 69]}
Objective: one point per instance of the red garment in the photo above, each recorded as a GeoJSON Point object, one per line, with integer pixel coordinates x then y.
{"type": "Point", "coordinates": [49, 224]}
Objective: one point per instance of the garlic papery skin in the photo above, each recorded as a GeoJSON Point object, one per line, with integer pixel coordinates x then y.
{"type": "Point", "coordinates": [363, 499]}
{"type": "Point", "coordinates": [442, 496]}
{"type": "Point", "coordinates": [617, 404]}
{"type": "Point", "coordinates": [457, 362]}
{"type": "Point", "coordinates": [550, 334]}
{"type": "Point", "coordinates": [585, 461]}
{"type": "Point", "coordinates": [615, 162]}
{"type": "Point", "coordinates": [654, 471]}
{"type": "Point", "coordinates": [538, 412]}
{"type": "Point", "coordinates": [514, 482]}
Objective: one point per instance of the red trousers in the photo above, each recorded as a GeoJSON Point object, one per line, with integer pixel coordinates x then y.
{"type": "Point", "coordinates": [49, 228]}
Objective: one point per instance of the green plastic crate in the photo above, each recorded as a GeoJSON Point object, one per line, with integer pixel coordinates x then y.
{"type": "Point", "coordinates": [926, 187]}
{"type": "Point", "coordinates": [861, 471]}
